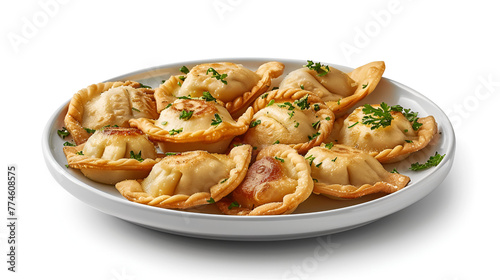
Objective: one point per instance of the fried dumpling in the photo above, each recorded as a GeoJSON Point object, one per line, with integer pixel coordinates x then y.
{"type": "Point", "coordinates": [111, 103]}
{"type": "Point", "coordinates": [276, 183]}
{"type": "Point", "coordinates": [292, 116]}
{"type": "Point", "coordinates": [113, 154]}
{"type": "Point", "coordinates": [345, 172]}
{"type": "Point", "coordinates": [339, 90]}
{"type": "Point", "coordinates": [193, 124]}
{"type": "Point", "coordinates": [233, 84]}
{"type": "Point", "coordinates": [390, 143]}
{"type": "Point", "coordinates": [189, 179]}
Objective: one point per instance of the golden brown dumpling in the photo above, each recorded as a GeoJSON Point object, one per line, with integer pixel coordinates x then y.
{"type": "Point", "coordinates": [192, 124]}
{"type": "Point", "coordinates": [233, 84]}
{"type": "Point", "coordinates": [292, 116]}
{"type": "Point", "coordinates": [345, 172]}
{"type": "Point", "coordinates": [339, 90]}
{"type": "Point", "coordinates": [113, 154]}
{"type": "Point", "coordinates": [111, 103]}
{"type": "Point", "coordinates": [276, 183]}
{"type": "Point", "coordinates": [387, 144]}
{"type": "Point", "coordinates": [189, 179]}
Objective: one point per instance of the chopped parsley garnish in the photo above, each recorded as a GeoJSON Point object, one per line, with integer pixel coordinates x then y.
{"type": "Point", "coordinates": [211, 200]}
{"type": "Point", "coordinates": [135, 109]}
{"type": "Point", "coordinates": [143, 85]}
{"type": "Point", "coordinates": [413, 118]}
{"type": "Point", "coordinates": [217, 76]}
{"type": "Point", "coordinates": [432, 161]}
{"type": "Point", "coordinates": [171, 153]}
{"type": "Point", "coordinates": [301, 86]}
{"type": "Point", "coordinates": [328, 118]}
{"type": "Point", "coordinates": [69, 144]}
{"type": "Point", "coordinates": [310, 158]}
{"type": "Point", "coordinates": [329, 145]}
{"type": "Point", "coordinates": [255, 123]}
{"type": "Point", "coordinates": [223, 181]}
{"type": "Point", "coordinates": [280, 159]}
{"type": "Point", "coordinates": [184, 69]}
{"type": "Point", "coordinates": [175, 131]}
{"type": "Point", "coordinates": [270, 103]}
{"type": "Point", "coordinates": [182, 78]}
{"type": "Point", "coordinates": [353, 124]}
{"type": "Point", "coordinates": [297, 124]}
{"type": "Point", "coordinates": [316, 125]}
{"type": "Point", "coordinates": [217, 120]}
{"type": "Point", "coordinates": [89, 130]}
{"type": "Point", "coordinates": [276, 142]}
{"type": "Point", "coordinates": [318, 67]}
{"type": "Point", "coordinates": [338, 101]}
{"type": "Point", "coordinates": [264, 95]}
{"type": "Point", "coordinates": [233, 204]}
{"type": "Point", "coordinates": [186, 115]}
{"type": "Point", "coordinates": [168, 106]}
{"type": "Point", "coordinates": [364, 86]}
{"type": "Point", "coordinates": [179, 84]}
{"type": "Point", "coordinates": [335, 159]}
{"type": "Point", "coordinates": [291, 114]}
{"type": "Point", "coordinates": [311, 137]}
{"type": "Point", "coordinates": [164, 123]}
{"type": "Point", "coordinates": [80, 153]}
{"type": "Point", "coordinates": [394, 171]}
{"type": "Point", "coordinates": [302, 103]}
{"type": "Point", "coordinates": [379, 117]}
{"type": "Point", "coordinates": [290, 105]}
{"type": "Point", "coordinates": [137, 156]}
{"type": "Point", "coordinates": [63, 133]}
{"type": "Point", "coordinates": [319, 164]}
{"type": "Point", "coordinates": [316, 107]}
{"type": "Point", "coordinates": [408, 141]}
{"type": "Point", "coordinates": [207, 96]}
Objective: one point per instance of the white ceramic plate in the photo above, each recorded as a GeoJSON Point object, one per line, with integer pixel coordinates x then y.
{"type": "Point", "coordinates": [317, 216]}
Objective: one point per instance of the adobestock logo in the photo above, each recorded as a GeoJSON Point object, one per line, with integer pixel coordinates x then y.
{"type": "Point", "coordinates": [364, 36]}
{"type": "Point", "coordinates": [31, 26]}
{"type": "Point", "coordinates": [223, 6]}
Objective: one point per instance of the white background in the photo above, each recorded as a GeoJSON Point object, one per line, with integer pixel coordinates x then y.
{"type": "Point", "coordinates": [448, 51]}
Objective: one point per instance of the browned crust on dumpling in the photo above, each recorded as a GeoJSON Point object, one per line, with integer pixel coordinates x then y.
{"type": "Point", "coordinates": [367, 77]}
{"type": "Point", "coordinates": [292, 94]}
{"type": "Point", "coordinates": [133, 190]}
{"type": "Point", "coordinates": [290, 201]}
{"type": "Point", "coordinates": [74, 117]}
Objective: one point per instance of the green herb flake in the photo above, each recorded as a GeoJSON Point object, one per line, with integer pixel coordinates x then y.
{"type": "Point", "coordinates": [319, 164]}
{"type": "Point", "coordinates": [186, 115]}
{"type": "Point", "coordinates": [175, 131]}
{"type": "Point", "coordinates": [137, 156]}
{"type": "Point", "coordinates": [432, 161]}
{"type": "Point", "coordinates": [335, 159]}
{"type": "Point", "coordinates": [207, 96]}
{"type": "Point", "coordinates": [223, 181]}
{"type": "Point", "coordinates": [233, 204]}
{"type": "Point", "coordinates": [171, 153]}
{"type": "Point", "coordinates": [80, 153]}
{"type": "Point", "coordinates": [164, 123]}
{"type": "Point", "coordinates": [89, 130]}
{"type": "Point", "coordinates": [408, 141]}
{"type": "Point", "coordinates": [135, 109]}
{"type": "Point", "coordinates": [310, 158]}
{"type": "Point", "coordinates": [353, 124]}
{"type": "Point", "coordinates": [316, 107]}
{"type": "Point", "coordinates": [394, 171]}
{"type": "Point", "coordinates": [280, 159]}
{"type": "Point", "coordinates": [311, 137]}
{"type": "Point", "coordinates": [66, 144]}
{"type": "Point", "coordinates": [184, 69]}
{"type": "Point", "coordinates": [276, 142]}
{"type": "Point", "coordinates": [364, 86]}
{"type": "Point", "coordinates": [316, 125]}
{"type": "Point", "coordinates": [329, 145]}
{"type": "Point", "coordinates": [296, 124]}
{"type": "Point", "coordinates": [255, 123]}
{"type": "Point", "coordinates": [301, 86]}
{"type": "Point", "coordinates": [264, 95]}
{"type": "Point", "coordinates": [291, 114]}
{"type": "Point", "coordinates": [303, 103]}
{"type": "Point", "coordinates": [217, 120]}
{"type": "Point", "coordinates": [211, 200]}
{"type": "Point", "coordinates": [217, 75]}
{"type": "Point", "coordinates": [270, 103]}
{"type": "Point", "coordinates": [141, 85]}
{"type": "Point", "coordinates": [63, 133]}
{"type": "Point", "coordinates": [318, 67]}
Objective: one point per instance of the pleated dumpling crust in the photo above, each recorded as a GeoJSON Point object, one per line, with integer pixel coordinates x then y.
{"type": "Point", "coordinates": [193, 124]}
{"type": "Point", "coordinates": [189, 179]}
{"type": "Point", "coordinates": [291, 116]}
{"type": "Point", "coordinates": [233, 84]}
{"type": "Point", "coordinates": [110, 103]}
{"type": "Point", "coordinates": [345, 172]}
{"type": "Point", "coordinates": [275, 184]}
{"type": "Point", "coordinates": [113, 154]}
{"type": "Point", "coordinates": [388, 144]}
{"type": "Point", "coordinates": [339, 90]}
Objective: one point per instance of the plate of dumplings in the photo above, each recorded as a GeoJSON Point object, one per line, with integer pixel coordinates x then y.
{"type": "Point", "coordinates": [249, 149]}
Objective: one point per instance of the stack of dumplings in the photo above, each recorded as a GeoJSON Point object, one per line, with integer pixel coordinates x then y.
{"type": "Point", "coordinates": [223, 134]}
